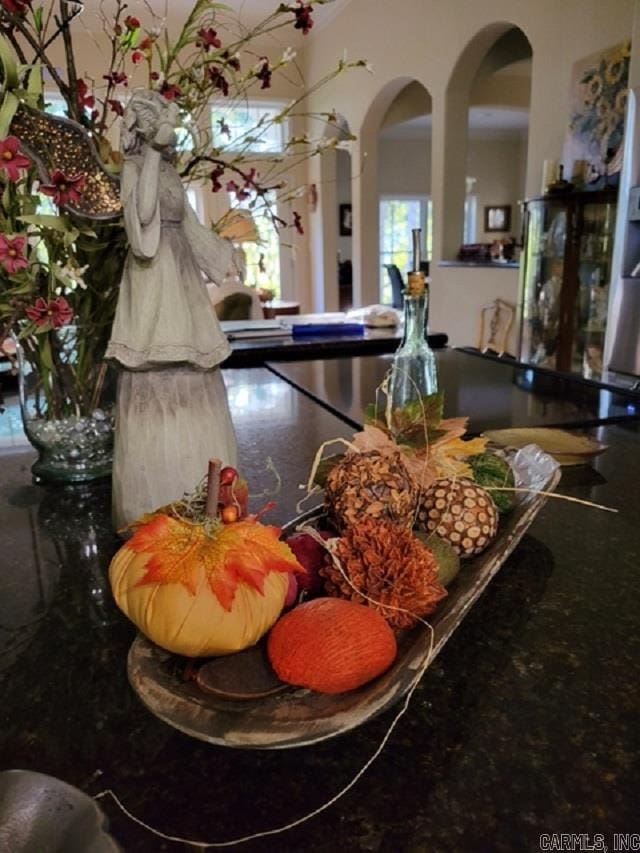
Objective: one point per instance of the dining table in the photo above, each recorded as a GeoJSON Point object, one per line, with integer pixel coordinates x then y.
{"type": "Point", "coordinates": [255, 352]}
{"type": "Point", "coordinates": [526, 726]}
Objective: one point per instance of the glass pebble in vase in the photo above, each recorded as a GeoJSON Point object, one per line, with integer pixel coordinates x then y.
{"type": "Point", "coordinates": [65, 411]}
{"type": "Point", "coordinates": [413, 372]}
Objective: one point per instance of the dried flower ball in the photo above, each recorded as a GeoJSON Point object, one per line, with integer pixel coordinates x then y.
{"type": "Point", "coordinates": [371, 485]}
{"type": "Point", "coordinates": [389, 565]}
{"type": "Point", "coordinates": [460, 512]}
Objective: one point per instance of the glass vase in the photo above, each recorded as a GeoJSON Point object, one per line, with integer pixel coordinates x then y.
{"type": "Point", "coordinates": [413, 372]}
{"type": "Point", "coordinates": [63, 408]}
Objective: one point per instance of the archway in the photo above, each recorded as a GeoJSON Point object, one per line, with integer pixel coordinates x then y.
{"type": "Point", "coordinates": [387, 109]}
{"type": "Point", "coordinates": [404, 186]}
{"type": "Point", "coordinates": [487, 95]}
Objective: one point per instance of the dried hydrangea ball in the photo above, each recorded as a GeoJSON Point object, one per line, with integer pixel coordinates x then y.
{"type": "Point", "coordinates": [371, 485]}
{"type": "Point", "coordinates": [460, 512]}
{"type": "Point", "coordinates": [389, 566]}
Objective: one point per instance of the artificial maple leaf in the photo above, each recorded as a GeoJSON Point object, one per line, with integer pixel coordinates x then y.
{"type": "Point", "coordinates": [174, 547]}
{"type": "Point", "coordinates": [244, 552]}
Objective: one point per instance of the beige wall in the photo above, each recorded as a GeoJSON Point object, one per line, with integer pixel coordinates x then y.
{"type": "Point", "coordinates": [498, 164]}
{"type": "Point", "coordinates": [424, 41]}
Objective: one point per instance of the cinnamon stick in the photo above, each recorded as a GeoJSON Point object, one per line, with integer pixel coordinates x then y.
{"type": "Point", "coordinates": [213, 487]}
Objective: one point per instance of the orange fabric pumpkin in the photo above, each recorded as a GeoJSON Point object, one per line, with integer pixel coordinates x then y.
{"type": "Point", "coordinates": [331, 645]}
{"type": "Point", "coordinates": [198, 591]}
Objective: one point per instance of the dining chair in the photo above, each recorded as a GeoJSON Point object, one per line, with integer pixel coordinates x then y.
{"type": "Point", "coordinates": [397, 284]}
{"type": "Point", "coordinates": [496, 320]}
{"type": "Point", "coordinates": [233, 301]}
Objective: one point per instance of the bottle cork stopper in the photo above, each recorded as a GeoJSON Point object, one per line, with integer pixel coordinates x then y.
{"type": "Point", "coordinates": [416, 284]}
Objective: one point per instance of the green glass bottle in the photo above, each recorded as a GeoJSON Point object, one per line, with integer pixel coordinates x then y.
{"type": "Point", "coordinates": [413, 372]}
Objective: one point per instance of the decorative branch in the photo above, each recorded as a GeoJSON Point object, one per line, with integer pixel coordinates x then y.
{"type": "Point", "coordinates": [75, 108]}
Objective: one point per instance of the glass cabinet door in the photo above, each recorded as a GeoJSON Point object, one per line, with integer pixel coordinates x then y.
{"type": "Point", "coordinates": [546, 240]}
{"type": "Point", "coordinates": [594, 274]}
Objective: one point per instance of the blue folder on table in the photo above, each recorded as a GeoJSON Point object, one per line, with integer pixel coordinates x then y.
{"type": "Point", "coordinates": [301, 330]}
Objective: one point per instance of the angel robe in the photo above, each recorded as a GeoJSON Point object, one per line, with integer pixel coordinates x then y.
{"type": "Point", "coordinates": [172, 413]}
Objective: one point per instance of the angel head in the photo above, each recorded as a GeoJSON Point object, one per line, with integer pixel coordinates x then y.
{"type": "Point", "coordinates": [148, 118]}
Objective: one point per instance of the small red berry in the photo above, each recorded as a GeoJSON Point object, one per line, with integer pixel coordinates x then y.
{"type": "Point", "coordinates": [229, 514]}
{"type": "Point", "coordinates": [228, 475]}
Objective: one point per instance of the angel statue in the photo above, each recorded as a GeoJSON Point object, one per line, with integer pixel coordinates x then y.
{"type": "Point", "coordinates": [172, 413]}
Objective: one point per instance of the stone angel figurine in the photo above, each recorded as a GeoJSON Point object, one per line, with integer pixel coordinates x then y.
{"type": "Point", "coordinates": [172, 413]}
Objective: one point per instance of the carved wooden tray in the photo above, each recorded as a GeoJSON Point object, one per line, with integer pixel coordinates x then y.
{"type": "Point", "coordinates": [297, 717]}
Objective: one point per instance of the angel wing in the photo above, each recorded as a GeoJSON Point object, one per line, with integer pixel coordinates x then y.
{"type": "Point", "coordinates": [55, 143]}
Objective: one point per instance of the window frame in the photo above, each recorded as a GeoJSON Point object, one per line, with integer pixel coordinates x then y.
{"type": "Point", "coordinates": [272, 104]}
{"type": "Point", "coordinates": [427, 227]}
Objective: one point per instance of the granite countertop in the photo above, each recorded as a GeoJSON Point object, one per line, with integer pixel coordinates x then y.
{"type": "Point", "coordinates": [527, 722]}
{"type": "Point", "coordinates": [494, 393]}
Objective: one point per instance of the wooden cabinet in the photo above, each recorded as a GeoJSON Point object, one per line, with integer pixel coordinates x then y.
{"type": "Point", "coordinates": [565, 280]}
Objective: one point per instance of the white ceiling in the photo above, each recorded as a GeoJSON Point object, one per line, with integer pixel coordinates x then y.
{"type": "Point", "coordinates": [483, 121]}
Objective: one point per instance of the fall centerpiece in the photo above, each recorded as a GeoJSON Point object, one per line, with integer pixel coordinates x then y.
{"type": "Point", "coordinates": [260, 637]}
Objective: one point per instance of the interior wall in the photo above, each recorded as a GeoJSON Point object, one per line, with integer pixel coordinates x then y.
{"type": "Point", "coordinates": [343, 193]}
{"type": "Point", "coordinates": [498, 164]}
{"type": "Point", "coordinates": [424, 44]}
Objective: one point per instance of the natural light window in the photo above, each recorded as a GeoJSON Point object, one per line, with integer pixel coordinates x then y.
{"type": "Point", "coordinates": [249, 127]}
{"type": "Point", "coordinates": [398, 216]}
{"type": "Point", "coordinates": [470, 209]}
{"type": "Point", "coordinates": [55, 105]}
{"type": "Point", "coordinates": [262, 258]}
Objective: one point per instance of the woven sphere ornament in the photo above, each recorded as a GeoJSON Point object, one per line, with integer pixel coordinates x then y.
{"type": "Point", "coordinates": [330, 646]}
{"type": "Point", "coordinates": [371, 485]}
{"type": "Point", "coordinates": [460, 512]}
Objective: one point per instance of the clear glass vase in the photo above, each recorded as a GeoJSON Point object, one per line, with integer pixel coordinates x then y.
{"type": "Point", "coordinates": [64, 414]}
{"type": "Point", "coordinates": [413, 372]}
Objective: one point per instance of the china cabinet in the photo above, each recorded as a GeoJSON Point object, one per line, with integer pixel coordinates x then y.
{"type": "Point", "coordinates": [566, 274]}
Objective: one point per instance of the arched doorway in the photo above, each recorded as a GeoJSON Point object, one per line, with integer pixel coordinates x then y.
{"type": "Point", "coordinates": [404, 186]}
{"type": "Point", "coordinates": [485, 139]}
{"type": "Point", "coordinates": [400, 101]}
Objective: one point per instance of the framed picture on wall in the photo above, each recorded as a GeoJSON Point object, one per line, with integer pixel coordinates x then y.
{"type": "Point", "coordinates": [497, 217]}
{"type": "Point", "coordinates": [345, 220]}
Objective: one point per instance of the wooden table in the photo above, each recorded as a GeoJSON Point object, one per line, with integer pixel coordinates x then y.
{"type": "Point", "coordinates": [277, 307]}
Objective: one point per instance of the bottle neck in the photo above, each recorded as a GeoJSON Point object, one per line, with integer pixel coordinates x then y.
{"type": "Point", "coordinates": [415, 318]}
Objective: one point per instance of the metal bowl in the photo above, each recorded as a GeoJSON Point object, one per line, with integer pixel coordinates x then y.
{"type": "Point", "coordinates": [42, 814]}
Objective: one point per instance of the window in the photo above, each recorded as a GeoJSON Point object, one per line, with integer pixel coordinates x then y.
{"type": "Point", "coordinates": [250, 128]}
{"type": "Point", "coordinates": [194, 198]}
{"type": "Point", "coordinates": [470, 208]}
{"type": "Point", "coordinates": [56, 105]}
{"type": "Point", "coordinates": [398, 216]}
{"type": "Point", "coordinates": [262, 258]}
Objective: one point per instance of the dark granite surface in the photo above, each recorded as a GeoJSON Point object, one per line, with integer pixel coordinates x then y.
{"type": "Point", "coordinates": [527, 723]}
{"type": "Point", "coordinates": [493, 393]}
{"type": "Point", "coordinates": [253, 353]}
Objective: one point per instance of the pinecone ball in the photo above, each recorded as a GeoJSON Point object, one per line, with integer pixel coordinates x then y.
{"type": "Point", "coordinates": [388, 569]}
{"type": "Point", "coordinates": [371, 485]}
{"type": "Point", "coordinates": [460, 512]}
